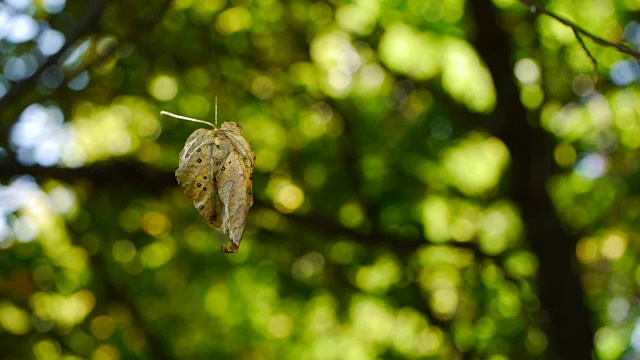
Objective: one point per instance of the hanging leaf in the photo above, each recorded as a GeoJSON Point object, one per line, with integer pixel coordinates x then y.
{"type": "Point", "coordinates": [215, 171]}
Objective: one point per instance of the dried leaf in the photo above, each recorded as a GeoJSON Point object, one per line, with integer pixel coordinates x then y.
{"type": "Point", "coordinates": [215, 171]}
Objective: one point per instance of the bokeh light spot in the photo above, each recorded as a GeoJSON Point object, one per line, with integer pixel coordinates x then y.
{"type": "Point", "coordinates": [163, 87]}
{"type": "Point", "coordinates": [262, 87]}
{"type": "Point", "coordinates": [23, 28]}
{"type": "Point", "coordinates": [53, 6]}
{"type": "Point", "coordinates": [592, 166]}
{"type": "Point", "coordinates": [157, 254]}
{"type": "Point", "coordinates": [609, 343]}
{"type": "Point", "coordinates": [614, 246]}
{"type": "Point", "coordinates": [288, 198]}
{"type": "Point", "coordinates": [106, 352]}
{"type": "Point", "coordinates": [13, 319]}
{"type": "Point", "coordinates": [565, 155]}
{"type": "Point", "coordinates": [380, 276]}
{"type": "Point", "coordinates": [50, 41]}
{"type": "Point", "coordinates": [155, 223]}
{"type": "Point", "coordinates": [102, 327]}
{"type": "Point", "coordinates": [476, 163]}
{"type": "Point", "coordinates": [444, 302]}
{"type": "Point", "coordinates": [123, 250]}
{"type": "Point", "coordinates": [351, 214]}
{"type": "Point", "coordinates": [280, 326]}
{"type": "Point", "coordinates": [217, 300]}
{"type": "Point", "coordinates": [536, 341]}
{"type": "Point", "coordinates": [233, 20]}
{"type": "Point", "coordinates": [46, 349]}
{"type": "Point", "coordinates": [587, 250]}
{"type": "Point", "coordinates": [527, 71]}
{"type": "Point", "coordinates": [306, 267]}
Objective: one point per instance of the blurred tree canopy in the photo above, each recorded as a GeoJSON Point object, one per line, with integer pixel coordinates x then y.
{"type": "Point", "coordinates": [434, 179]}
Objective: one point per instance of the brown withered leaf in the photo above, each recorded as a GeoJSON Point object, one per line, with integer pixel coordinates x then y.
{"type": "Point", "coordinates": [215, 170]}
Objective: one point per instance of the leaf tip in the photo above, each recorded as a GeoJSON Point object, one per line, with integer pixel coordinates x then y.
{"type": "Point", "coordinates": [233, 248]}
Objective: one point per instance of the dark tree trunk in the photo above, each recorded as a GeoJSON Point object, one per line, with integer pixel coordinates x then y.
{"type": "Point", "coordinates": [562, 297]}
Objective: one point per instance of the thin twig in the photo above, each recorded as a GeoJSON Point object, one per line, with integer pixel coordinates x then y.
{"type": "Point", "coordinates": [577, 29]}
{"type": "Point", "coordinates": [594, 62]}
{"type": "Point", "coordinates": [187, 118]}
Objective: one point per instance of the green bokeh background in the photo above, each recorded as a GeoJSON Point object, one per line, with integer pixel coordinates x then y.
{"type": "Point", "coordinates": [434, 180]}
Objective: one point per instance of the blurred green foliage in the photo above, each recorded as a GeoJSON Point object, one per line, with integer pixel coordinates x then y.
{"type": "Point", "coordinates": [382, 227]}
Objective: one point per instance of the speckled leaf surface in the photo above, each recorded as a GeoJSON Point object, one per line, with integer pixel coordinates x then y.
{"type": "Point", "coordinates": [215, 171]}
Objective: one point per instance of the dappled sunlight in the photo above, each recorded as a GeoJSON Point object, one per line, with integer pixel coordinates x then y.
{"type": "Point", "coordinates": [46, 349]}
{"type": "Point", "coordinates": [338, 60]}
{"type": "Point", "coordinates": [392, 215]}
{"type": "Point", "coordinates": [379, 276]}
{"type": "Point", "coordinates": [501, 228]}
{"type": "Point", "coordinates": [13, 319]}
{"type": "Point", "coordinates": [475, 164]}
{"type": "Point", "coordinates": [610, 246]}
{"type": "Point", "coordinates": [507, 302]}
{"type": "Point", "coordinates": [155, 223]}
{"type": "Point", "coordinates": [65, 311]}
{"type": "Point", "coordinates": [438, 255]}
{"type": "Point", "coordinates": [370, 319]}
{"type": "Point", "coordinates": [102, 327]}
{"type": "Point", "coordinates": [21, 193]}
{"type": "Point", "coordinates": [359, 17]}
{"type": "Point", "coordinates": [158, 253]}
{"type": "Point", "coordinates": [163, 87]}
{"type": "Point", "coordinates": [436, 217]}
{"type": "Point", "coordinates": [521, 264]}
{"type": "Point", "coordinates": [100, 133]}
{"type": "Point", "coordinates": [609, 343]}
{"type": "Point", "coordinates": [198, 240]}
{"type": "Point", "coordinates": [464, 76]}
{"type": "Point", "coordinates": [315, 122]}
{"type": "Point", "coordinates": [441, 284]}
{"type": "Point", "coordinates": [624, 106]}
{"type": "Point", "coordinates": [423, 55]}
{"type": "Point", "coordinates": [527, 71]}
{"type": "Point", "coordinates": [39, 217]}
{"type": "Point", "coordinates": [281, 326]}
{"type": "Point", "coordinates": [40, 135]}
{"type": "Point", "coordinates": [587, 251]}
{"type": "Point", "coordinates": [321, 318]}
{"type": "Point", "coordinates": [268, 138]}
{"type": "Point", "coordinates": [217, 300]}
{"type": "Point", "coordinates": [583, 199]}
{"type": "Point", "coordinates": [308, 268]}
{"type": "Point", "coordinates": [444, 302]}
{"type": "Point", "coordinates": [565, 155]}
{"type": "Point", "coordinates": [233, 20]}
{"type": "Point", "coordinates": [351, 214]}
{"type": "Point", "coordinates": [495, 228]}
{"type": "Point", "coordinates": [614, 246]}
{"type": "Point", "coordinates": [123, 251]}
{"type": "Point", "coordinates": [342, 252]}
{"type": "Point", "coordinates": [407, 51]}
{"type": "Point", "coordinates": [287, 197]}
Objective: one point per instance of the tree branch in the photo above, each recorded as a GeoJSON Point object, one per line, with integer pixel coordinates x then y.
{"type": "Point", "coordinates": [594, 62]}
{"type": "Point", "coordinates": [90, 18]}
{"type": "Point", "coordinates": [531, 150]}
{"type": "Point", "coordinates": [19, 89]}
{"type": "Point", "coordinates": [579, 30]}
{"type": "Point", "coordinates": [137, 177]}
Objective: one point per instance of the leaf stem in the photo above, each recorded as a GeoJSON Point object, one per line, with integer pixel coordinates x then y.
{"type": "Point", "coordinates": [187, 118]}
